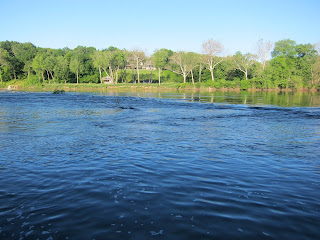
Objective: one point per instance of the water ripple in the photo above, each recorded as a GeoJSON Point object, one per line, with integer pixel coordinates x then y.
{"type": "Point", "coordinates": [123, 167]}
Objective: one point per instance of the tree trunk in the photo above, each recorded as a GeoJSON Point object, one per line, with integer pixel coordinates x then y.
{"type": "Point", "coordinates": [159, 75]}
{"type": "Point", "coordinates": [200, 70]}
{"type": "Point", "coordinates": [42, 77]}
{"type": "Point", "coordinates": [184, 77]}
{"type": "Point", "coordinates": [77, 77]}
{"type": "Point", "coordinates": [100, 75]}
{"type": "Point", "coordinates": [192, 77]}
{"type": "Point", "coordinates": [48, 76]}
{"type": "Point", "coordinates": [117, 74]}
{"type": "Point", "coordinates": [138, 71]}
{"type": "Point", "coordinates": [29, 75]}
{"type": "Point", "coordinates": [54, 81]}
{"type": "Point", "coordinates": [211, 71]}
{"type": "Point", "coordinates": [14, 73]}
{"type": "Point", "coordinates": [150, 79]}
{"type": "Point", "coordinates": [111, 74]}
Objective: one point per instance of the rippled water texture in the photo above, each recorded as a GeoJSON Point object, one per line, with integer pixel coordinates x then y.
{"type": "Point", "coordinates": [90, 166]}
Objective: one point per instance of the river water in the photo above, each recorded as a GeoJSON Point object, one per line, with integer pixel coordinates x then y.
{"type": "Point", "coordinates": [159, 166]}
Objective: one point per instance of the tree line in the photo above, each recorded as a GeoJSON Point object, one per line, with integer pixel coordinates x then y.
{"type": "Point", "coordinates": [280, 65]}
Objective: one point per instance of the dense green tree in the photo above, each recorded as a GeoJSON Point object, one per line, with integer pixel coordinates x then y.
{"type": "Point", "coordinates": [61, 68]}
{"type": "Point", "coordinates": [98, 62]}
{"type": "Point", "coordinates": [13, 64]}
{"type": "Point", "coordinates": [81, 61]}
{"type": "Point", "coordinates": [76, 66]}
{"type": "Point", "coordinates": [117, 61]}
{"type": "Point", "coordinates": [25, 53]}
{"type": "Point", "coordinates": [160, 59]}
{"type": "Point", "coordinates": [279, 72]}
{"type": "Point", "coordinates": [49, 63]}
{"type": "Point", "coordinates": [4, 56]}
{"type": "Point", "coordinates": [285, 48]}
{"type": "Point", "coordinates": [38, 65]}
{"type": "Point", "coordinates": [292, 65]}
{"type": "Point", "coordinates": [315, 72]}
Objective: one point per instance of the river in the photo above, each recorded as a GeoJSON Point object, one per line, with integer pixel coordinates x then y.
{"type": "Point", "coordinates": [159, 165]}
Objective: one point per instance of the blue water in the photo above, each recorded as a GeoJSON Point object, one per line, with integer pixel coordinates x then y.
{"type": "Point", "coordinates": [93, 166]}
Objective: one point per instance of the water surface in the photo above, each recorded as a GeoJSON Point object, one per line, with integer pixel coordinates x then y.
{"type": "Point", "coordinates": [124, 166]}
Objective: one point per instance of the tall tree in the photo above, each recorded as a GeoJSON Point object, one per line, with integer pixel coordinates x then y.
{"type": "Point", "coordinates": [25, 53]}
{"type": "Point", "coordinates": [263, 51]}
{"type": "Point", "coordinates": [211, 49]}
{"type": "Point", "coordinates": [98, 62]}
{"type": "Point", "coordinates": [117, 60]}
{"type": "Point", "coordinates": [38, 65]}
{"type": "Point", "coordinates": [76, 66]}
{"type": "Point", "coordinates": [244, 61]}
{"type": "Point", "coordinates": [61, 68]}
{"type": "Point", "coordinates": [182, 64]}
{"type": "Point", "coordinates": [160, 60]}
{"type": "Point", "coordinates": [193, 60]}
{"type": "Point", "coordinates": [49, 63]}
{"type": "Point", "coordinates": [138, 57]}
{"type": "Point", "coordinates": [306, 57]}
{"type": "Point", "coordinates": [315, 68]}
{"type": "Point", "coordinates": [285, 48]}
{"type": "Point", "coordinates": [4, 56]}
{"type": "Point", "coordinates": [14, 66]}
{"type": "Point", "coordinates": [77, 62]}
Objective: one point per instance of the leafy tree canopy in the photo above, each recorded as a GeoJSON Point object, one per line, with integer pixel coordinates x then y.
{"type": "Point", "coordinates": [284, 47]}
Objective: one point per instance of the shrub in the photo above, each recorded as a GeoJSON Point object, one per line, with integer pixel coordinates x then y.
{"type": "Point", "coordinates": [197, 85]}
{"type": "Point", "coordinates": [245, 84]}
{"type": "Point", "coordinates": [32, 81]}
{"type": "Point", "coordinates": [89, 79]}
{"type": "Point", "coordinates": [209, 83]}
{"type": "Point", "coordinates": [217, 84]}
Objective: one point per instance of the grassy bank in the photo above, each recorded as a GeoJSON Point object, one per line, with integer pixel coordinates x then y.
{"type": "Point", "coordinates": [129, 87]}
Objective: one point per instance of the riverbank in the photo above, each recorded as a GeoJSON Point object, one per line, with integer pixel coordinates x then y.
{"type": "Point", "coordinates": [123, 87]}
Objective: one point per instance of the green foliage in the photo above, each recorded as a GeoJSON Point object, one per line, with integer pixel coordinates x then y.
{"type": "Point", "coordinates": [245, 84]}
{"type": "Point", "coordinates": [161, 58]}
{"type": "Point", "coordinates": [209, 83]}
{"type": "Point", "coordinates": [169, 76]}
{"type": "Point", "coordinates": [285, 48]}
{"type": "Point", "coordinates": [217, 85]}
{"type": "Point", "coordinates": [293, 66]}
{"type": "Point", "coordinates": [197, 85]}
{"type": "Point", "coordinates": [89, 79]}
{"type": "Point", "coordinates": [185, 85]}
{"type": "Point", "coordinates": [32, 81]}
{"type": "Point", "coordinates": [295, 82]}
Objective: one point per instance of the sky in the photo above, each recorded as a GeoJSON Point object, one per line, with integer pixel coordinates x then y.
{"type": "Point", "coordinates": [149, 25]}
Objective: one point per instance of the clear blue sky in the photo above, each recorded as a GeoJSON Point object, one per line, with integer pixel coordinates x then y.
{"type": "Point", "coordinates": [150, 25]}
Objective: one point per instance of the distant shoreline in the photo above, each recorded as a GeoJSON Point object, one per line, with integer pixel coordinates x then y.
{"type": "Point", "coordinates": [139, 88]}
